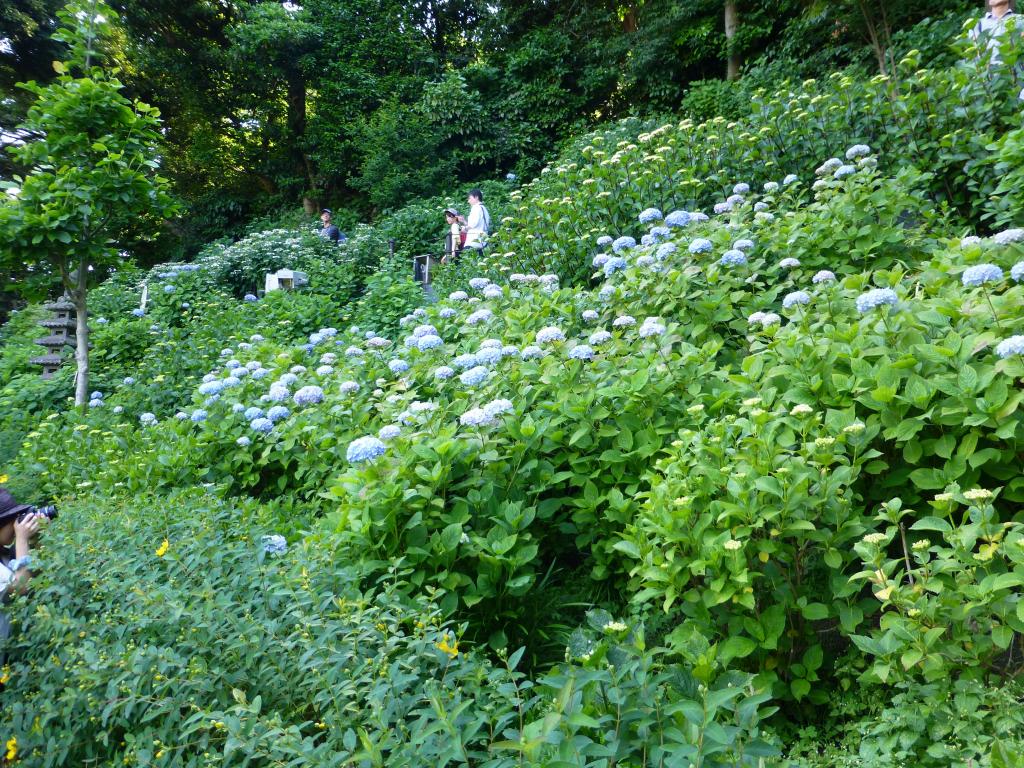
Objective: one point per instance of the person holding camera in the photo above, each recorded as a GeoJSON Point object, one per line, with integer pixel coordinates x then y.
{"type": "Point", "coordinates": [19, 524]}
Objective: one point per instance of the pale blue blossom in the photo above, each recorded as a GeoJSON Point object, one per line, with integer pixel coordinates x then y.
{"type": "Point", "coordinates": [274, 544]}
{"type": "Point", "coordinates": [297, 369]}
{"type": "Point", "coordinates": [118, 409]}
{"type": "Point", "coordinates": [476, 417]}
{"type": "Point", "coordinates": [981, 274]}
{"type": "Point", "coordinates": [720, 208]}
{"type": "Point", "coordinates": [278, 393]}
{"type": "Point", "coordinates": [549, 335]}
{"type": "Point", "coordinates": [744, 244]}
{"type": "Point", "coordinates": [789, 263]}
{"type": "Point", "coordinates": [589, 315]}
{"type": "Point", "coordinates": [474, 377]}
{"type": "Point", "coordinates": [446, 312]}
{"type": "Point", "coordinates": [379, 342]}
{"type": "Point", "coordinates": [309, 395]}
{"type": "Point", "coordinates": [1008, 236]}
{"type": "Point", "coordinates": [581, 352]}
{"type": "Point", "coordinates": [698, 216]}
{"type": "Point", "coordinates": [243, 442]}
{"type": "Point", "coordinates": [348, 387]}
{"type": "Point", "coordinates": [1010, 347]}
{"type": "Point", "coordinates": [211, 387]}
{"type": "Point", "coordinates": [796, 298]}
{"type": "Point", "coordinates": [741, 189]}
{"type": "Point", "coordinates": [791, 178]}
{"type": "Point", "coordinates": [147, 419]}
{"type": "Point", "coordinates": [365, 449]}
{"type": "Point", "coordinates": [647, 240]}
{"type": "Point", "coordinates": [398, 366]}
{"type": "Point", "coordinates": [769, 319]}
{"type": "Point", "coordinates": [209, 377]}
{"type": "Point", "coordinates": [443, 372]}
{"type": "Point", "coordinates": [287, 379]}
{"type": "Point", "coordinates": [660, 233]}
{"type": "Point", "coordinates": [650, 327]}
{"type": "Point", "coordinates": [389, 432]}
{"type": "Point", "coordinates": [604, 241]}
{"type": "Point", "coordinates": [251, 297]}
{"type": "Point", "coordinates": [426, 343]}
{"type": "Point", "coordinates": [1017, 272]}
{"type": "Point", "coordinates": [645, 261]}
{"type": "Point", "coordinates": [493, 292]}
{"type": "Point", "coordinates": [829, 166]}
{"type": "Point", "coordinates": [480, 316]}
{"type": "Point", "coordinates": [198, 415]}
{"type": "Point", "coordinates": [211, 400]}
{"type": "Point", "coordinates": [607, 293]}
{"type": "Point", "coordinates": [231, 381]}
{"type": "Point", "coordinates": [498, 407]}
{"type": "Point", "coordinates": [489, 356]}
{"type": "Point", "coordinates": [138, 312]}
{"type": "Point", "coordinates": [261, 425]}
{"type": "Point", "coordinates": [260, 373]}
{"type": "Point", "coordinates": [700, 245]}
{"type": "Point", "coordinates": [733, 258]}
{"type": "Point", "coordinates": [458, 296]}
{"type": "Point", "coordinates": [623, 243]}
{"type": "Point", "coordinates": [664, 251]}
{"type": "Point", "coordinates": [180, 416]}
{"type": "Point", "coordinates": [509, 350]}
{"type": "Point", "coordinates": [844, 170]}
{"type": "Point", "coordinates": [95, 403]}
{"type": "Point", "coordinates": [600, 337]}
{"type": "Point", "coordinates": [623, 321]}
{"type": "Point", "coordinates": [479, 283]}
{"type": "Point", "coordinates": [771, 186]}
{"type": "Point", "coordinates": [876, 297]}
{"type": "Point", "coordinates": [614, 264]}
{"type": "Point", "coordinates": [531, 352]}
{"type": "Point", "coordinates": [649, 214]}
{"type": "Point", "coordinates": [354, 352]}
{"type": "Point", "coordinates": [600, 260]}
{"type": "Point", "coordinates": [464, 361]}
{"type": "Point", "coordinates": [857, 150]}
{"type": "Point", "coordinates": [969, 241]}
{"type": "Point", "coordinates": [324, 370]}
{"type": "Point", "coordinates": [823, 276]}
{"type": "Point", "coordinates": [253, 413]}
{"type": "Point", "coordinates": [760, 206]}
{"type": "Point", "coordinates": [677, 219]}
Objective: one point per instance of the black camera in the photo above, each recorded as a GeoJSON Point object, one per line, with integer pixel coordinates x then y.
{"type": "Point", "coordinates": [49, 511]}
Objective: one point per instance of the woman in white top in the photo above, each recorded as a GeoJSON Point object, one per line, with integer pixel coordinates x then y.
{"type": "Point", "coordinates": [17, 529]}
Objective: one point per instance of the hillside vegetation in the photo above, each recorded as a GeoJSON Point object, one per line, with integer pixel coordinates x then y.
{"type": "Point", "coordinates": [713, 461]}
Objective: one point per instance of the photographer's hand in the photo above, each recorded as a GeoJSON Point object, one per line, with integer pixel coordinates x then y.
{"type": "Point", "coordinates": [24, 531]}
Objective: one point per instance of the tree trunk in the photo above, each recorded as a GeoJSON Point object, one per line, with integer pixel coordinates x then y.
{"type": "Point", "coordinates": [731, 22]}
{"type": "Point", "coordinates": [78, 298]}
{"type": "Point", "coordinates": [296, 100]}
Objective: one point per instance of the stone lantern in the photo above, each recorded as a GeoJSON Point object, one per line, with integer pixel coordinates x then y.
{"type": "Point", "coordinates": [62, 334]}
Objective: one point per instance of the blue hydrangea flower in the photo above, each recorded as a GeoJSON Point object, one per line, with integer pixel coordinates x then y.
{"type": "Point", "coordinates": [102, 321]}
{"type": "Point", "coordinates": [476, 417]}
{"type": "Point", "coordinates": [604, 241]}
{"type": "Point", "coordinates": [844, 170]}
{"type": "Point", "coordinates": [769, 319]}
{"type": "Point", "coordinates": [741, 189]}
{"type": "Point", "coordinates": [243, 442]}
{"type": "Point", "coordinates": [274, 544]}
{"type": "Point", "coordinates": [348, 387]}
{"type": "Point", "coordinates": [664, 251]}
{"type": "Point", "coordinates": [581, 352]}
{"type": "Point", "coordinates": [238, 407]}
{"type": "Point", "coordinates": [599, 337]}
{"type": "Point", "coordinates": [309, 396]}
{"type": "Point", "coordinates": [700, 245]}
{"type": "Point", "coordinates": [389, 432]}
{"type": "Point", "coordinates": [474, 377]}
{"type": "Point", "coordinates": [733, 258]}
{"type": "Point", "coordinates": [489, 355]}
{"type": "Point", "coordinates": [275, 413]}
{"type": "Point", "coordinates": [1008, 236]}
{"type": "Point", "coordinates": [647, 215]}
{"type": "Point", "coordinates": [796, 297]}
{"type": "Point", "coordinates": [650, 327]}
{"type": "Point", "coordinates": [823, 276]}
{"type": "Point", "coordinates": [647, 240]}
{"type": "Point", "coordinates": [789, 263]}
{"type": "Point", "coordinates": [613, 265]}
{"type": "Point", "coordinates": [478, 283]}
{"type": "Point", "coordinates": [498, 407]}
{"type": "Point", "coordinates": [138, 312]}
{"type": "Point", "coordinates": [231, 381]}
{"type": "Point", "coordinates": [446, 312]}
{"type": "Point", "coordinates": [510, 176]}
{"type": "Point", "coordinates": [760, 206]}
{"type": "Point", "coordinates": [96, 395]}
{"type": "Point", "coordinates": [198, 415]}
{"type": "Point", "coordinates": [253, 413]}
{"type": "Point", "coordinates": [623, 243]}
{"type": "Point", "coordinates": [211, 400]}
{"type": "Point", "coordinates": [324, 370]}
{"type": "Point", "coordinates": [118, 409]}
{"type": "Point", "coordinates": [1017, 272]}
{"type": "Point", "coordinates": [623, 321]}
{"type": "Point", "coordinates": [771, 186]}
{"type": "Point", "coordinates": [791, 178]}
{"type": "Point", "coordinates": [251, 297]}
{"type": "Point", "coordinates": [1011, 346]}
{"type": "Point", "coordinates": [645, 261]}
{"type": "Point", "coordinates": [365, 449]}
{"type": "Point", "coordinates": [857, 150]}
{"type": "Point", "coordinates": [876, 297]}
{"type": "Point", "coordinates": [278, 393]}
{"type": "Point", "coordinates": [147, 419]}
{"type": "Point", "coordinates": [260, 373]}
{"type": "Point", "coordinates": [509, 350]}
{"type": "Point", "coordinates": [493, 292]}
{"type": "Point", "coordinates": [829, 166]}
{"type": "Point", "coordinates": [462, 362]}
{"type": "Point", "coordinates": [531, 352]}
{"type": "Point", "coordinates": [677, 219]}
{"type": "Point", "coordinates": [600, 260]}
{"type": "Point", "coordinates": [232, 364]}
{"type": "Point", "coordinates": [607, 293]}
{"type": "Point", "coordinates": [209, 377]}
{"type": "Point", "coordinates": [720, 208]}
{"type": "Point", "coordinates": [398, 366]}
{"type": "Point", "coordinates": [981, 274]}
{"type": "Point", "coordinates": [480, 316]}
{"type": "Point", "coordinates": [262, 425]}
{"type": "Point", "coordinates": [550, 335]}
{"type": "Point", "coordinates": [180, 416]}
{"type": "Point", "coordinates": [590, 315]}
{"type": "Point", "coordinates": [443, 372]}
{"type": "Point", "coordinates": [211, 387]}
{"type": "Point", "coordinates": [744, 244]}
{"type": "Point", "coordinates": [95, 403]}
{"type": "Point", "coordinates": [660, 233]}
{"type": "Point", "coordinates": [458, 296]}
{"type": "Point", "coordinates": [429, 342]}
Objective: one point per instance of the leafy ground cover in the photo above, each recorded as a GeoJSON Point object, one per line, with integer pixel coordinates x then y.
{"type": "Point", "coordinates": [729, 486]}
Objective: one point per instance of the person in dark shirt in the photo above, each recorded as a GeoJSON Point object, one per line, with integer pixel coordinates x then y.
{"type": "Point", "coordinates": [329, 231]}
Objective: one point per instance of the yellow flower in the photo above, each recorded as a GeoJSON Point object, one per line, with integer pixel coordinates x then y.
{"type": "Point", "coordinates": [5, 675]}
{"type": "Point", "coordinates": [451, 649]}
{"type": "Point", "coordinates": [3, 479]}
{"type": "Point", "coordinates": [12, 749]}
{"type": "Point", "coordinates": [162, 549]}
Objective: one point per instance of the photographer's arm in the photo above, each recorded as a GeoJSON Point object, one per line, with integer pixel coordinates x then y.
{"type": "Point", "coordinates": [24, 531]}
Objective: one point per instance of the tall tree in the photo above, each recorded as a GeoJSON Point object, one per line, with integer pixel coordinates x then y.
{"type": "Point", "coordinates": [91, 183]}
